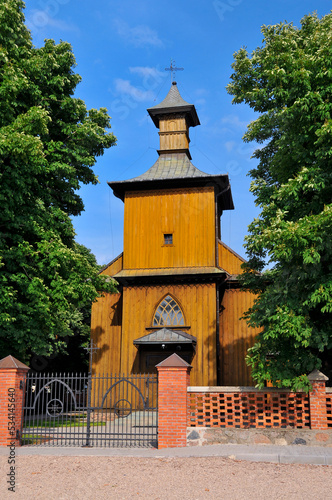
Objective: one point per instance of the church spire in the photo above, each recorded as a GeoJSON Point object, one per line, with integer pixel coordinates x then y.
{"type": "Point", "coordinates": [173, 116]}
{"type": "Point", "coordinates": [173, 169]}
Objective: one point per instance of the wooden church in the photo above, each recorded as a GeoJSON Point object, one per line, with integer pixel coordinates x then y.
{"type": "Point", "coordinates": [177, 281]}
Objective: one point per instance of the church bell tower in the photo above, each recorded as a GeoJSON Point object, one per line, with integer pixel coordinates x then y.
{"type": "Point", "coordinates": [177, 281]}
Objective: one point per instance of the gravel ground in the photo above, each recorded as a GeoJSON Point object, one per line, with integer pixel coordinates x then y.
{"type": "Point", "coordinates": [45, 477]}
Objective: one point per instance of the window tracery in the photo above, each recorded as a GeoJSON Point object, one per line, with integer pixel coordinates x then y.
{"type": "Point", "coordinates": [168, 313]}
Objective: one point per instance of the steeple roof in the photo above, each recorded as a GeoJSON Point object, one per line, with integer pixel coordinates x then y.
{"type": "Point", "coordinates": [170, 166]}
{"type": "Point", "coordinates": [172, 99]}
{"type": "Point", "coordinates": [174, 103]}
{"type": "Point", "coordinates": [173, 168]}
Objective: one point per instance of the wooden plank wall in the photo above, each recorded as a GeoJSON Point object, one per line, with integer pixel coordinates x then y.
{"type": "Point", "coordinates": [235, 337]}
{"type": "Point", "coordinates": [173, 134]}
{"type": "Point", "coordinates": [189, 214]}
{"type": "Point", "coordinates": [198, 303]}
{"type": "Point", "coordinates": [229, 260]}
{"type": "Point", "coordinates": [106, 330]}
{"type": "Point", "coordinates": [114, 267]}
{"type": "Point", "coordinates": [106, 319]}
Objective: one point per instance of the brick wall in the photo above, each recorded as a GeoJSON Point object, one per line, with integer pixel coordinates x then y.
{"type": "Point", "coordinates": [247, 407]}
{"type": "Point", "coordinates": [173, 380]}
{"type": "Point", "coordinates": [181, 406]}
{"type": "Point", "coordinates": [329, 407]}
{"type": "Point", "coordinates": [12, 375]}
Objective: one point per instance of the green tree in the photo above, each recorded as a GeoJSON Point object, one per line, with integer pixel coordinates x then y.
{"type": "Point", "coordinates": [288, 81]}
{"type": "Point", "coordinates": [49, 142]}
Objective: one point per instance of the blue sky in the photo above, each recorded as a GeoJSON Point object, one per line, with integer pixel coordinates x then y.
{"type": "Point", "coordinates": [122, 48]}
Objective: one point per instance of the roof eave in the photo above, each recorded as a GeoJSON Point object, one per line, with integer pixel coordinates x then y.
{"type": "Point", "coordinates": [190, 111]}
{"type": "Point", "coordinates": [172, 278]}
{"type": "Point", "coordinates": [221, 181]}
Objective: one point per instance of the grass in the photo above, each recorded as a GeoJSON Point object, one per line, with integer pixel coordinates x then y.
{"type": "Point", "coordinates": [34, 439]}
{"type": "Point", "coordinates": [76, 421]}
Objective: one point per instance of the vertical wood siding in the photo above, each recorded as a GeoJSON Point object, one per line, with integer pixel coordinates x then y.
{"type": "Point", "coordinates": [235, 337]}
{"type": "Point", "coordinates": [229, 260]}
{"type": "Point", "coordinates": [106, 318]}
{"type": "Point", "coordinates": [188, 214]}
{"type": "Point", "coordinates": [114, 267]}
{"type": "Point", "coordinates": [198, 304]}
{"type": "Point", "coordinates": [173, 134]}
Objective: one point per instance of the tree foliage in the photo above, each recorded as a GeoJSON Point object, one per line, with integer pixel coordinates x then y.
{"type": "Point", "coordinates": [288, 81]}
{"type": "Point", "coordinates": [49, 142]}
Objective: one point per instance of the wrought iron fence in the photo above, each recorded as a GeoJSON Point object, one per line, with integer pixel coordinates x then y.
{"type": "Point", "coordinates": [85, 410]}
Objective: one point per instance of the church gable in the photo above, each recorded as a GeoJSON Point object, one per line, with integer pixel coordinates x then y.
{"type": "Point", "coordinates": [229, 260]}
{"type": "Point", "coordinates": [113, 267]}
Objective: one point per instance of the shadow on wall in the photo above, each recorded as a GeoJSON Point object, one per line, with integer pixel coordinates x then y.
{"type": "Point", "coordinates": [233, 367]}
{"type": "Point", "coordinates": [97, 334]}
{"type": "Point", "coordinates": [106, 311]}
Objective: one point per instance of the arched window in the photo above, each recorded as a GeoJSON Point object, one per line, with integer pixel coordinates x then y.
{"type": "Point", "coordinates": [168, 313]}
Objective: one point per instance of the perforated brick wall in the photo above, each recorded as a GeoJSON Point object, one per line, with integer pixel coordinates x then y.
{"type": "Point", "coordinates": [270, 409]}
{"type": "Point", "coordinates": [329, 409]}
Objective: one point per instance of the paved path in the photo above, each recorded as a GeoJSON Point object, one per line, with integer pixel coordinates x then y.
{"type": "Point", "coordinates": [293, 454]}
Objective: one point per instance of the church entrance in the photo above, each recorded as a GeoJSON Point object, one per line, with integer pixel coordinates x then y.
{"type": "Point", "coordinates": [158, 345]}
{"type": "Point", "coordinates": [151, 356]}
{"type": "Point", "coordinates": [149, 359]}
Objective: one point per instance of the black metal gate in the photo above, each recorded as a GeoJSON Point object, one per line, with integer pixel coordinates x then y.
{"type": "Point", "coordinates": [85, 410]}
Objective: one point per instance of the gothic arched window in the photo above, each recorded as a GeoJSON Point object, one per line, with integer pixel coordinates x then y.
{"type": "Point", "coordinates": [168, 313]}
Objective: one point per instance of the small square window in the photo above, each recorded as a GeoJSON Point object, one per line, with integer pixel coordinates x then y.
{"type": "Point", "coordinates": [168, 239]}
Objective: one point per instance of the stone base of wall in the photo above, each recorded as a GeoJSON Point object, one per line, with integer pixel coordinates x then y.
{"type": "Point", "coordinates": [200, 436]}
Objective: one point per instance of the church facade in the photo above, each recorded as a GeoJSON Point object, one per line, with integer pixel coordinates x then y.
{"type": "Point", "coordinates": [177, 281]}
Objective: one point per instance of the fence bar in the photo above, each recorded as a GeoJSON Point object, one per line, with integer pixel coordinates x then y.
{"type": "Point", "coordinates": [85, 410]}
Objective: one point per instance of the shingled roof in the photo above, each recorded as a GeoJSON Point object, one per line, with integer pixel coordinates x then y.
{"type": "Point", "coordinates": [173, 168]}
{"type": "Point", "coordinates": [170, 166]}
{"type": "Point", "coordinates": [174, 103]}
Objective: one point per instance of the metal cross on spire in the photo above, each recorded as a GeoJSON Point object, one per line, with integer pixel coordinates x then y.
{"type": "Point", "coordinates": [173, 69]}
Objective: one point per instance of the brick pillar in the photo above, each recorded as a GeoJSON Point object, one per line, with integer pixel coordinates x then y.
{"type": "Point", "coordinates": [173, 380]}
{"type": "Point", "coordinates": [12, 375]}
{"type": "Point", "coordinates": [317, 400]}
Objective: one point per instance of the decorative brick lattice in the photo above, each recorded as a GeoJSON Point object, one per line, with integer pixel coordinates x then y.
{"type": "Point", "coordinates": [248, 410]}
{"type": "Point", "coordinates": [329, 409]}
